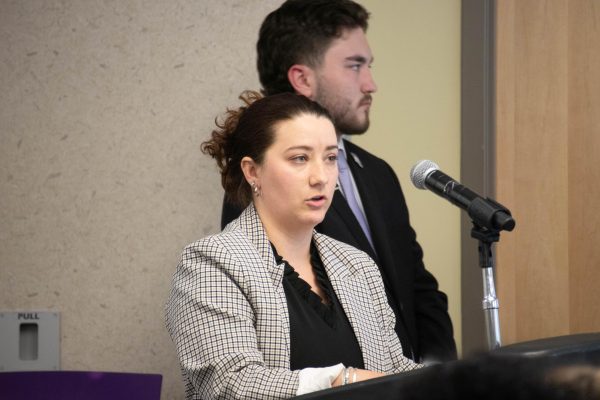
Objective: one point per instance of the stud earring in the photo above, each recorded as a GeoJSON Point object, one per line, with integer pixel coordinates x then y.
{"type": "Point", "coordinates": [255, 189]}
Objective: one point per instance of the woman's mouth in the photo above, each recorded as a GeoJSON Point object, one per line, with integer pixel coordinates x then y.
{"type": "Point", "coordinates": [317, 201]}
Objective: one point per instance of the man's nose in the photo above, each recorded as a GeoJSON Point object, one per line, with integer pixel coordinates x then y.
{"type": "Point", "coordinates": [368, 85]}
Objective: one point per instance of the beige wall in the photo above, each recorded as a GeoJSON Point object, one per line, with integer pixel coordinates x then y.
{"type": "Point", "coordinates": [416, 115]}
{"type": "Point", "coordinates": [103, 108]}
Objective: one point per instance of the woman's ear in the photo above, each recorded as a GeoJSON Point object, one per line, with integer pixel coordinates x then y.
{"type": "Point", "coordinates": [250, 169]}
{"type": "Point", "coordinates": [302, 79]}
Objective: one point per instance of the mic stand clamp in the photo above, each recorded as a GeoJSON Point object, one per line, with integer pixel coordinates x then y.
{"type": "Point", "coordinates": [486, 238]}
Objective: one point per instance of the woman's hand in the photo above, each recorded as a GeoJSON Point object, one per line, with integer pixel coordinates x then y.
{"type": "Point", "coordinates": [355, 375]}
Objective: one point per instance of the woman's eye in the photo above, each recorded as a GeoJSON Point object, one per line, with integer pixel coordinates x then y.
{"type": "Point", "coordinates": [300, 159]}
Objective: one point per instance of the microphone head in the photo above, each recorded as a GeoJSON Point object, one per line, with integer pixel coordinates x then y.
{"type": "Point", "coordinates": [420, 171]}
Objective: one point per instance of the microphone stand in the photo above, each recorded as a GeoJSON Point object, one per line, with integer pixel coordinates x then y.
{"type": "Point", "coordinates": [486, 238]}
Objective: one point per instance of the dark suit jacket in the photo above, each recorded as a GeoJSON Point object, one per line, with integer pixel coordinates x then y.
{"type": "Point", "coordinates": [422, 321]}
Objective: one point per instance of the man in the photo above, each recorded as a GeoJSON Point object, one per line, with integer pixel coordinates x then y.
{"type": "Point", "coordinates": [318, 48]}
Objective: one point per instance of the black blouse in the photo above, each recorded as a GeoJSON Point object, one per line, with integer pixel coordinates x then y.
{"type": "Point", "coordinates": [320, 333]}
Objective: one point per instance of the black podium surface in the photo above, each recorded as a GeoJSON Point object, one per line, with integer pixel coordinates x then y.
{"type": "Point", "coordinates": [387, 387]}
{"type": "Point", "coordinates": [584, 347]}
{"type": "Point", "coordinates": [510, 368]}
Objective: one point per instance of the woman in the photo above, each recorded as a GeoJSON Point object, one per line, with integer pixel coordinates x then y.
{"type": "Point", "coordinates": [269, 308]}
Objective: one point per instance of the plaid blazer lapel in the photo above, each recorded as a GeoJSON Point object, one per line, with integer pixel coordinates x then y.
{"type": "Point", "coordinates": [278, 327]}
{"type": "Point", "coordinates": [354, 295]}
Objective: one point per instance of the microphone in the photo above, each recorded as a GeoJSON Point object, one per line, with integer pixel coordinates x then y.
{"type": "Point", "coordinates": [486, 212]}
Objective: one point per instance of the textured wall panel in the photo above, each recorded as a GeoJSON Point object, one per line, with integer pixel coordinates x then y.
{"type": "Point", "coordinates": [104, 105]}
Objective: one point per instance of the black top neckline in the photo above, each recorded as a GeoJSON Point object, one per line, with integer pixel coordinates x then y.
{"type": "Point", "coordinates": [320, 333]}
{"type": "Point", "coordinates": [323, 307]}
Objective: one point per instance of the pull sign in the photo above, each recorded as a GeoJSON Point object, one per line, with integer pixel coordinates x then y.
{"type": "Point", "coordinates": [28, 316]}
{"type": "Point", "coordinates": [29, 340]}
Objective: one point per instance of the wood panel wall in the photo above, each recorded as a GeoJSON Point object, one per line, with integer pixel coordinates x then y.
{"type": "Point", "coordinates": [547, 169]}
{"type": "Point", "coordinates": [584, 165]}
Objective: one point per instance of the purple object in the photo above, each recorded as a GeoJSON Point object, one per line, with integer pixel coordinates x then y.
{"type": "Point", "coordinates": [71, 385]}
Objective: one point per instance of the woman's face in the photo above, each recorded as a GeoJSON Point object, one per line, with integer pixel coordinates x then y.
{"type": "Point", "coordinates": [299, 172]}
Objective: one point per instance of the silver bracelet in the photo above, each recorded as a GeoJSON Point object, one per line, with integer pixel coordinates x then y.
{"type": "Point", "coordinates": [346, 376]}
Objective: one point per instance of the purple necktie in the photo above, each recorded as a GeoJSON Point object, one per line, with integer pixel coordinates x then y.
{"type": "Point", "coordinates": [348, 191]}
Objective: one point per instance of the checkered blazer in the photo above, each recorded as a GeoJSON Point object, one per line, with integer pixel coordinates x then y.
{"type": "Point", "coordinates": [227, 313]}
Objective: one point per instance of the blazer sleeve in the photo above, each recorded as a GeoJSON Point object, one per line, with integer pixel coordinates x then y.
{"type": "Point", "coordinates": [388, 320]}
{"type": "Point", "coordinates": [212, 325]}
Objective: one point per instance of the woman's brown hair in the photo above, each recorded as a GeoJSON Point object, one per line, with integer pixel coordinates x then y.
{"type": "Point", "coordinates": [249, 131]}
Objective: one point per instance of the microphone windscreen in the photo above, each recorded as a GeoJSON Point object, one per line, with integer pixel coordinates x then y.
{"type": "Point", "coordinates": [420, 171]}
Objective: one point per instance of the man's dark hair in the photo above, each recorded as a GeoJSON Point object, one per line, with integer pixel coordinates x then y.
{"type": "Point", "coordinates": [299, 32]}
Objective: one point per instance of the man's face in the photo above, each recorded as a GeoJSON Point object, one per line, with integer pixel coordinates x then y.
{"type": "Point", "coordinates": [344, 82]}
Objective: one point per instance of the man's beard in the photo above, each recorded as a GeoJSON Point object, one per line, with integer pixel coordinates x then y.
{"type": "Point", "coordinates": [350, 125]}
{"type": "Point", "coordinates": [345, 118]}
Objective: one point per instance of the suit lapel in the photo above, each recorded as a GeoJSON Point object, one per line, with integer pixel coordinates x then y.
{"type": "Point", "coordinates": [373, 209]}
{"type": "Point", "coordinates": [340, 206]}
{"type": "Point", "coordinates": [372, 206]}
{"type": "Point", "coordinates": [363, 180]}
